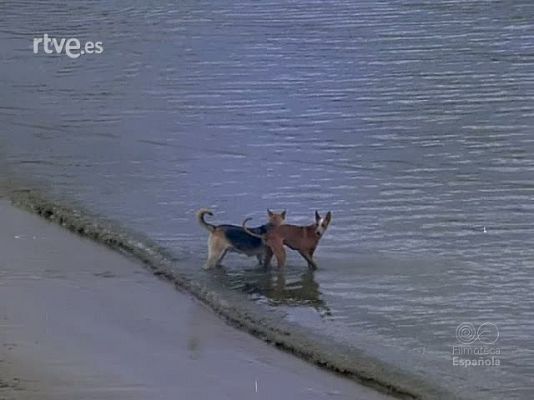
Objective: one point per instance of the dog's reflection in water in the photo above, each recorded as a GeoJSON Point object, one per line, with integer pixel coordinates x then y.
{"type": "Point", "coordinates": [283, 287]}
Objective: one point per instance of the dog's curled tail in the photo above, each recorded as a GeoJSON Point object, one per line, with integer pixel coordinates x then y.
{"type": "Point", "coordinates": [200, 217]}
{"type": "Point", "coordinates": [250, 232]}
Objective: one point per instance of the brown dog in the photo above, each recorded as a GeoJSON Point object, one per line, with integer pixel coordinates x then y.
{"type": "Point", "coordinates": [304, 239]}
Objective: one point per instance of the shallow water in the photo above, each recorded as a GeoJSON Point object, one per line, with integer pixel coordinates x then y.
{"type": "Point", "coordinates": [411, 121]}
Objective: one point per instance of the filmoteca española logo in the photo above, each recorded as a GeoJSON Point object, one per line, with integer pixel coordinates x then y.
{"type": "Point", "coordinates": [476, 345]}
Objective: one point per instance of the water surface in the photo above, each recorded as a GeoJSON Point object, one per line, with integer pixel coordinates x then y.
{"type": "Point", "coordinates": [411, 121]}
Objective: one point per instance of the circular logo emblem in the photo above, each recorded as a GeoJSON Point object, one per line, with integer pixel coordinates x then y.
{"type": "Point", "coordinates": [488, 333]}
{"type": "Point", "coordinates": [466, 333]}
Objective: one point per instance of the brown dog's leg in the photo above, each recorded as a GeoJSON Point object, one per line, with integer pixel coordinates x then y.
{"type": "Point", "coordinates": [279, 253]}
{"type": "Point", "coordinates": [268, 256]}
{"type": "Point", "coordinates": [309, 259]}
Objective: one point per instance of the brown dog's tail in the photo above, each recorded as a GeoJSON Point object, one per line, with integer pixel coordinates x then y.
{"type": "Point", "coordinates": [200, 218]}
{"type": "Point", "coordinates": [250, 232]}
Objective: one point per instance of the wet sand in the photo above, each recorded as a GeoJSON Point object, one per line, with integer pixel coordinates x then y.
{"type": "Point", "coordinates": [79, 321]}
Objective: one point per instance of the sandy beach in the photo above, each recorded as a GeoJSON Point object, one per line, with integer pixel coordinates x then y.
{"type": "Point", "coordinates": [79, 321]}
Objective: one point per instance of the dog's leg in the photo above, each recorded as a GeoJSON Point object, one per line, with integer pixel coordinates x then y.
{"type": "Point", "coordinates": [258, 257]}
{"type": "Point", "coordinates": [212, 261]}
{"type": "Point", "coordinates": [267, 256]}
{"type": "Point", "coordinates": [308, 258]}
{"type": "Point", "coordinates": [216, 250]}
{"type": "Point", "coordinates": [219, 261]}
{"type": "Point", "coordinates": [279, 253]}
{"type": "Point", "coordinates": [209, 262]}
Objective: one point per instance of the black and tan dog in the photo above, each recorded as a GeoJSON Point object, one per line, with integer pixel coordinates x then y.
{"type": "Point", "coordinates": [304, 239]}
{"type": "Point", "coordinates": [225, 238]}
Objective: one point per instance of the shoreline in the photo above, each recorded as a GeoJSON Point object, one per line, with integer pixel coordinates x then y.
{"type": "Point", "coordinates": [80, 321]}
{"type": "Point", "coordinates": [348, 361]}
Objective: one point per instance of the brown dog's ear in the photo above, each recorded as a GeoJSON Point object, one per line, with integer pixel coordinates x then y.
{"type": "Point", "coordinates": [284, 214]}
{"type": "Point", "coordinates": [328, 216]}
{"type": "Point", "coordinates": [269, 213]}
{"type": "Point", "coordinates": [317, 216]}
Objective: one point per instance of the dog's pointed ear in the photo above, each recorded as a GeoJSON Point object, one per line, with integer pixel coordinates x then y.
{"type": "Point", "coordinates": [269, 213]}
{"type": "Point", "coordinates": [328, 216]}
{"type": "Point", "coordinates": [317, 216]}
{"type": "Point", "coordinates": [284, 214]}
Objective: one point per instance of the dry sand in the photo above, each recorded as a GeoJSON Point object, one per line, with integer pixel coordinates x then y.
{"type": "Point", "coordinates": [78, 321]}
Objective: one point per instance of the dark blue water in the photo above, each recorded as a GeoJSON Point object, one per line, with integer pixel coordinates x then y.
{"type": "Point", "coordinates": [411, 121]}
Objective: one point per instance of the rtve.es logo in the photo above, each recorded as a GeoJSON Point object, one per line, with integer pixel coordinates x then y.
{"type": "Point", "coordinates": [72, 47]}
